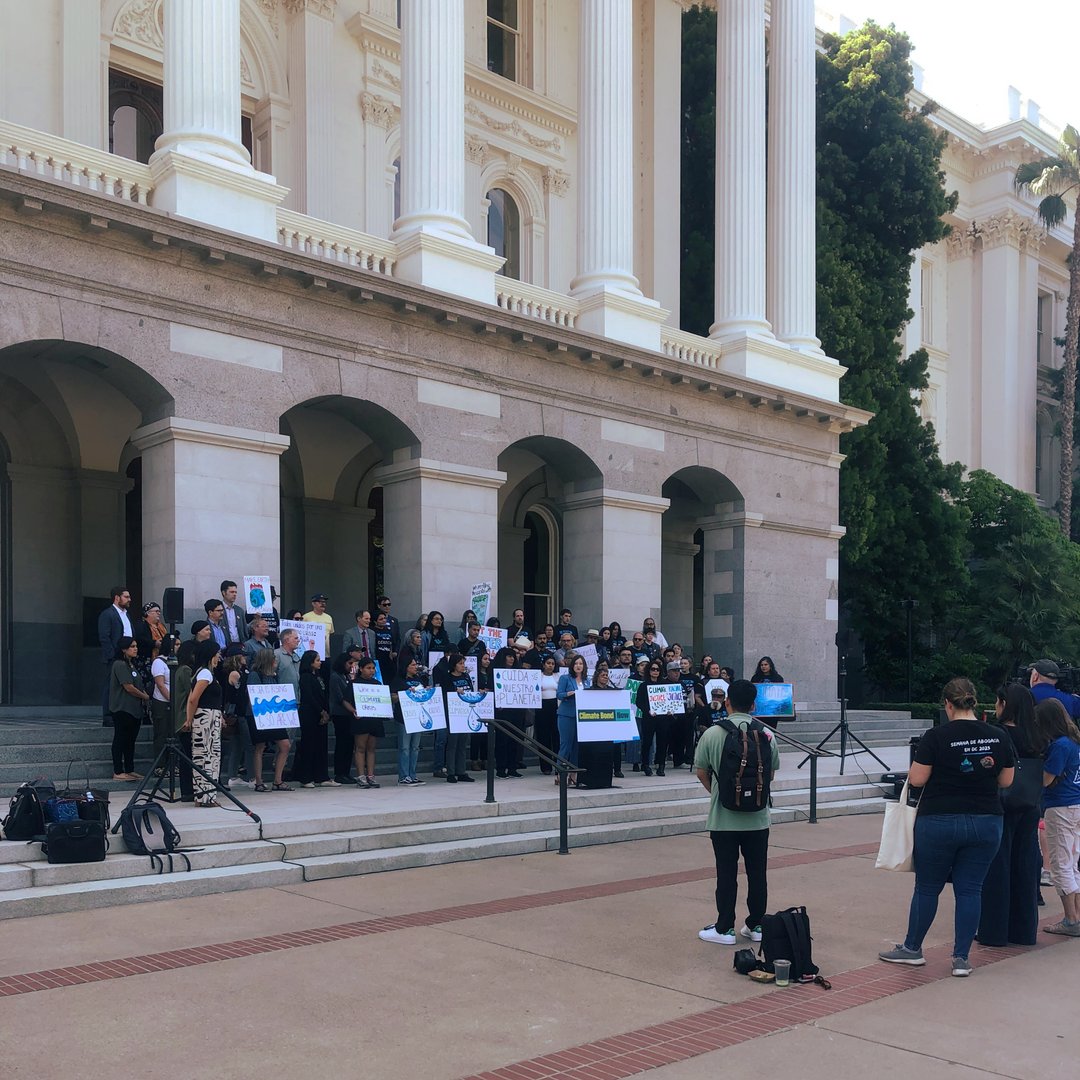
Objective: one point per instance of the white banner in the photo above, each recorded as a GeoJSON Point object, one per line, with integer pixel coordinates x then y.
{"type": "Point", "coordinates": [257, 597]}
{"type": "Point", "coordinates": [470, 666]}
{"type": "Point", "coordinates": [467, 712]}
{"type": "Point", "coordinates": [667, 699]}
{"type": "Point", "coordinates": [494, 638]}
{"type": "Point", "coordinates": [273, 705]}
{"type": "Point", "coordinates": [517, 688]}
{"type": "Point", "coordinates": [422, 709]}
{"type": "Point", "coordinates": [481, 601]}
{"type": "Point", "coordinates": [312, 635]}
{"type": "Point", "coordinates": [372, 700]}
{"type": "Point", "coordinates": [604, 716]}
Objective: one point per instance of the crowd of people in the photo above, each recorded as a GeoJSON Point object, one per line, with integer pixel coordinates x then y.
{"type": "Point", "coordinates": [228, 651]}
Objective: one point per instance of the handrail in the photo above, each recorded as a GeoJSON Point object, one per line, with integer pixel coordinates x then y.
{"type": "Point", "coordinates": [559, 764]}
{"type": "Point", "coordinates": [813, 753]}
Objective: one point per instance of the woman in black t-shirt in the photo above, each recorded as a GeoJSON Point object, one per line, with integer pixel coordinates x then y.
{"type": "Point", "coordinates": [960, 766]}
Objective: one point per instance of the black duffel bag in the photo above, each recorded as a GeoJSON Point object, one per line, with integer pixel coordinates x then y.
{"type": "Point", "coordinates": [75, 842]}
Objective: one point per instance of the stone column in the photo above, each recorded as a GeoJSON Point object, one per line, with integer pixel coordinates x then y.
{"type": "Point", "coordinates": [599, 582]}
{"type": "Point", "coordinates": [611, 302]}
{"type": "Point", "coordinates": [959, 442]}
{"type": "Point", "coordinates": [792, 178]}
{"type": "Point", "coordinates": [200, 168]}
{"type": "Point", "coordinates": [435, 247]}
{"type": "Point", "coordinates": [310, 34]}
{"type": "Point", "coordinates": [740, 165]}
{"type": "Point", "coordinates": [85, 77]}
{"type": "Point", "coordinates": [440, 529]}
{"type": "Point", "coordinates": [192, 538]}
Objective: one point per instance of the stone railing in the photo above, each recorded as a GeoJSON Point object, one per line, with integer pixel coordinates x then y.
{"type": "Point", "coordinates": [309, 235]}
{"type": "Point", "coordinates": [535, 303]}
{"type": "Point", "coordinates": [68, 162]}
{"type": "Point", "coordinates": [689, 348]}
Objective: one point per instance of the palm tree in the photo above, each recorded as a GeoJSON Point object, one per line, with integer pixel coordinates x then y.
{"type": "Point", "coordinates": [1050, 180]}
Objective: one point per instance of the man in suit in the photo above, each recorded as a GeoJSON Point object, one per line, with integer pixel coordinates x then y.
{"type": "Point", "coordinates": [361, 636]}
{"type": "Point", "coordinates": [234, 621]}
{"type": "Point", "coordinates": [113, 624]}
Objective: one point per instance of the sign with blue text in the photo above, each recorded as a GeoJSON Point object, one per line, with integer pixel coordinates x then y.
{"type": "Point", "coordinates": [467, 711]}
{"type": "Point", "coordinates": [517, 688]}
{"type": "Point", "coordinates": [666, 699]}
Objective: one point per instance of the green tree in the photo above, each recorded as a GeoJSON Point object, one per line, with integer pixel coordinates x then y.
{"type": "Point", "coordinates": [1051, 180]}
{"type": "Point", "coordinates": [881, 196]}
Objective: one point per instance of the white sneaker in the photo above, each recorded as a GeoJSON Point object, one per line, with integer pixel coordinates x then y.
{"type": "Point", "coordinates": [309, 785]}
{"type": "Point", "coordinates": [328, 783]}
{"type": "Point", "coordinates": [239, 781]}
{"type": "Point", "coordinates": [750, 935]}
{"type": "Point", "coordinates": [709, 933]}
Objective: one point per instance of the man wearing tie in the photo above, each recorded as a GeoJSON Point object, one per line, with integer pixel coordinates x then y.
{"type": "Point", "coordinates": [361, 636]}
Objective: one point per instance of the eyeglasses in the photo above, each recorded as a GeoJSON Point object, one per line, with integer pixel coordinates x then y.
{"type": "Point", "coordinates": [386, 603]}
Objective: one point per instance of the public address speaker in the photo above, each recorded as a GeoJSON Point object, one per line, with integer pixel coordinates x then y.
{"type": "Point", "coordinates": [172, 605]}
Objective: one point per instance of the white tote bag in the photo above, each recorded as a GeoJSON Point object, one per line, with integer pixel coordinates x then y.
{"type": "Point", "coordinates": [897, 848]}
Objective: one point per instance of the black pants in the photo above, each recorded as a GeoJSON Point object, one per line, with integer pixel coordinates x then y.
{"type": "Point", "coordinates": [754, 846]}
{"type": "Point", "coordinates": [681, 739]}
{"type": "Point", "coordinates": [183, 769]}
{"type": "Point", "coordinates": [1010, 892]}
{"type": "Point", "coordinates": [125, 732]}
{"type": "Point", "coordinates": [343, 746]}
{"type": "Point", "coordinates": [658, 727]}
{"type": "Point", "coordinates": [506, 748]}
{"type": "Point", "coordinates": [546, 729]}
{"type": "Point", "coordinates": [309, 765]}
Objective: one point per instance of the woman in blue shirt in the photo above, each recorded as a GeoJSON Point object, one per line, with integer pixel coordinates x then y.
{"type": "Point", "coordinates": [570, 682]}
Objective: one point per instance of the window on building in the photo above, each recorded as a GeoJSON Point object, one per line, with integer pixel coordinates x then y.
{"type": "Point", "coordinates": [926, 303]}
{"type": "Point", "coordinates": [1044, 334]}
{"type": "Point", "coordinates": [504, 231]}
{"type": "Point", "coordinates": [135, 116]}
{"type": "Point", "coordinates": [504, 38]}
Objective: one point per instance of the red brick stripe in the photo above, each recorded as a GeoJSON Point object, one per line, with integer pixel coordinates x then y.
{"type": "Point", "coordinates": [635, 1052]}
{"type": "Point", "coordinates": [32, 982]}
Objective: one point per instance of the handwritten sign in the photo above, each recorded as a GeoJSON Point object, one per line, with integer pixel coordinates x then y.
{"type": "Point", "coordinates": [666, 699]}
{"type": "Point", "coordinates": [422, 709]}
{"type": "Point", "coordinates": [481, 601]}
{"type": "Point", "coordinates": [588, 654]}
{"type": "Point", "coordinates": [467, 712]}
{"type": "Point", "coordinates": [372, 700]}
{"type": "Point", "coordinates": [257, 595]}
{"type": "Point", "coordinates": [273, 705]}
{"type": "Point", "coordinates": [604, 716]}
{"type": "Point", "coordinates": [517, 688]}
{"type": "Point", "coordinates": [619, 677]}
{"type": "Point", "coordinates": [494, 638]}
{"type": "Point", "coordinates": [312, 635]}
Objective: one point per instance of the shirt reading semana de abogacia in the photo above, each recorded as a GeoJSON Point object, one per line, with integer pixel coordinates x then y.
{"type": "Point", "coordinates": [966, 756]}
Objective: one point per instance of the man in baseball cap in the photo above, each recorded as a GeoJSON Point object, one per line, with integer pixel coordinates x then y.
{"type": "Point", "coordinates": [318, 613]}
{"type": "Point", "coordinates": [1043, 679]}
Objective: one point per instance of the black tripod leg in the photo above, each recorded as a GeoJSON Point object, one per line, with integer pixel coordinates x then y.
{"type": "Point", "coordinates": [217, 785]}
{"type": "Point", "coordinates": [821, 745]}
{"type": "Point", "coordinates": [866, 750]}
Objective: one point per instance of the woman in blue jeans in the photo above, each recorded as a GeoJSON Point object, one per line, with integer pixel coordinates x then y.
{"type": "Point", "coordinates": [960, 766]}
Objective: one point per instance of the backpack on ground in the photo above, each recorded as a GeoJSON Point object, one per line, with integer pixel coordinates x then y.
{"type": "Point", "coordinates": [137, 825]}
{"type": "Point", "coordinates": [786, 936]}
{"type": "Point", "coordinates": [745, 767]}
{"type": "Point", "coordinates": [26, 812]}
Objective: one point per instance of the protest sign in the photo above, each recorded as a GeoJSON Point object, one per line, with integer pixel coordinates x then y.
{"type": "Point", "coordinates": [494, 638]}
{"type": "Point", "coordinates": [257, 595]}
{"type": "Point", "coordinates": [517, 688]}
{"type": "Point", "coordinates": [470, 667]}
{"type": "Point", "coordinates": [666, 699]}
{"type": "Point", "coordinates": [481, 601]}
{"type": "Point", "coordinates": [619, 677]}
{"type": "Point", "coordinates": [422, 708]}
{"type": "Point", "coordinates": [604, 716]}
{"type": "Point", "coordinates": [467, 712]}
{"type": "Point", "coordinates": [273, 705]}
{"type": "Point", "coordinates": [775, 699]}
{"type": "Point", "coordinates": [721, 683]}
{"type": "Point", "coordinates": [632, 685]}
{"type": "Point", "coordinates": [372, 700]}
{"type": "Point", "coordinates": [312, 635]}
{"type": "Point", "coordinates": [588, 654]}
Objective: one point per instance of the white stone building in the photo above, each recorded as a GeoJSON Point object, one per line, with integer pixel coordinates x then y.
{"type": "Point", "coordinates": [365, 292]}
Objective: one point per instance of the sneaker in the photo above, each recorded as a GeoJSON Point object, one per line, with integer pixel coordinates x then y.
{"type": "Point", "coordinates": [465, 778]}
{"type": "Point", "coordinates": [416, 780]}
{"type": "Point", "coordinates": [899, 955]}
{"type": "Point", "coordinates": [451, 778]}
{"type": "Point", "coordinates": [328, 783]}
{"type": "Point", "coordinates": [750, 935]}
{"type": "Point", "coordinates": [343, 781]}
{"type": "Point", "coordinates": [372, 782]}
{"type": "Point", "coordinates": [1065, 928]}
{"type": "Point", "coordinates": [1045, 879]}
{"type": "Point", "coordinates": [439, 774]}
{"type": "Point", "coordinates": [308, 785]}
{"type": "Point", "coordinates": [361, 781]}
{"type": "Point", "coordinates": [709, 933]}
{"type": "Point", "coordinates": [405, 781]}
{"type": "Point", "coordinates": [961, 967]}
{"type": "Point", "coordinates": [239, 781]}
{"type": "Point", "coordinates": [515, 775]}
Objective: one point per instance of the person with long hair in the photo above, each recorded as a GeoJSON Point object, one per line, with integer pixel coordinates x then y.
{"type": "Point", "coordinates": [574, 680]}
{"type": "Point", "coordinates": [161, 698]}
{"type": "Point", "coordinates": [546, 723]}
{"type": "Point", "coordinates": [478, 743]}
{"type": "Point", "coordinates": [505, 745]}
{"type": "Point", "coordinates": [435, 638]}
{"type": "Point", "coordinates": [618, 638]}
{"type": "Point", "coordinates": [264, 673]}
{"type": "Point", "coordinates": [653, 726]}
{"type": "Point", "coordinates": [204, 721]}
{"type": "Point", "coordinates": [960, 767]}
{"type": "Point", "coordinates": [467, 617]}
{"type": "Point", "coordinates": [1061, 808]}
{"type": "Point", "coordinates": [766, 671]}
{"type": "Point", "coordinates": [1010, 893]}
{"type": "Point", "coordinates": [456, 677]}
{"type": "Point", "coordinates": [127, 706]}
{"type": "Point", "coordinates": [409, 674]}
{"type": "Point", "coordinates": [342, 714]}
{"type": "Point", "coordinates": [366, 731]}
{"type": "Point", "coordinates": [310, 764]}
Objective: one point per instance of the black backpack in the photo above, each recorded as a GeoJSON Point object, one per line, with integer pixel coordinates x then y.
{"type": "Point", "coordinates": [786, 936]}
{"type": "Point", "coordinates": [745, 767]}
{"type": "Point", "coordinates": [137, 827]}
{"type": "Point", "coordinates": [26, 816]}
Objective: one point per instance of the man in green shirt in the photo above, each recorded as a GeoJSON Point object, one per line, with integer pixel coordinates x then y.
{"type": "Point", "coordinates": [735, 831]}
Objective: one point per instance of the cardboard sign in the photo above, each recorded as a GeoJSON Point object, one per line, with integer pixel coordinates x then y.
{"type": "Point", "coordinates": [667, 699]}
{"type": "Point", "coordinates": [775, 699]}
{"type": "Point", "coordinates": [604, 716]}
{"type": "Point", "coordinates": [372, 700]}
{"type": "Point", "coordinates": [494, 638]}
{"type": "Point", "coordinates": [257, 595]}
{"type": "Point", "coordinates": [273, 705]}
{"type": "Point", "coordinates": [422, 709]}
{"type": "Point", "coordinates": [468, 711]}
{"type": "Point", "coordinates": [481, 601]}
{"type": "Point", "coordinates": [517, 688]}
{"type": "Point", "coordinates": [312, 635]}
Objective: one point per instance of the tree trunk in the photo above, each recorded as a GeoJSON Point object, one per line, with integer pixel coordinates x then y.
{"type": "Point", "coordinates": [1068, 378]}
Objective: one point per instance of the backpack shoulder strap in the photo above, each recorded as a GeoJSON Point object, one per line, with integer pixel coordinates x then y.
{"type": "Point", "coordinates": [727, 725]}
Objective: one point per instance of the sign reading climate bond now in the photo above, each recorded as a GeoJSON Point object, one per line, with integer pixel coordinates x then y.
{"type": "Point", "coordinates": [604, 716]}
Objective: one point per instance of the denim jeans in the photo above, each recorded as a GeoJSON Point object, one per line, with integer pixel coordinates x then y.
{"type": "Point", "coordinates": [963, 845]}
{"type": "Point", "coordinates": [408, 752]}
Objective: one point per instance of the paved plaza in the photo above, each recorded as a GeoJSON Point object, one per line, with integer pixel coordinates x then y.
{"type": "Point", "coordinates": [524, 968]}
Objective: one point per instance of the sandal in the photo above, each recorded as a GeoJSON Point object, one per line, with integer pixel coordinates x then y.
{"type": "Point", "coordinates": [282, 787]}
{"type": "Point", "coordinates": [261, 787]}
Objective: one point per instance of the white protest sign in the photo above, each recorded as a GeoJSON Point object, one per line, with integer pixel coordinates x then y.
{"type": "Point", "coordinates": [494, 638]}
{"type": "Point", "coordinates": [434, 656]}
{"type": "Point", "coordinates": [372, 700]}
{"type": "Point", "coordinates": [604, 716]}
{"type": "Point", "coordinates": [481, 601]}
{"type": "Point", "coordinates": [422, 709]}
{"type": "Point", "coordinates": [312, 635]}
{"type": "Point", "coordinates": [257, 595]}
{"type": "Point", "coordinates": [467, 712]}
{"type": "Point", "coordinates": [517, 688]}
{"type": "Point", "coordinates": [666, 699]}
{"type": "Point", "coordinates": [470, 667]}
{"type": "Point", "coordinates": [588, 654]}
{"type": "Point", "coordinates": [273, 705]}
{"type": "Point", "coordinates": [721, 683]}
{"type": "Point", "coordinates": [619, 677]}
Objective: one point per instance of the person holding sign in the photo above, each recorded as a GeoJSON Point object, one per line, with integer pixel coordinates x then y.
{"type": "Point", "coordinates": [366, 731]}
{"type": "Point", "coordinates": [547, 719]}
{"type": "Point", "coordinates": [654, 725]}
{"type": "Point", "coordinates": [505, 745]}
{"type": "Point", "coordinates": [570, 684]}
{"type": "Point", "coordinates": [264, 673]}
{"type": "Point", "coordinates": [309, 765]}
{"type": "Point", "coordinates": [456, 678]}
{"type": "Point", "coordinates": [342, 714]}
{"type": "Point", "coordinates": [408, 676]}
